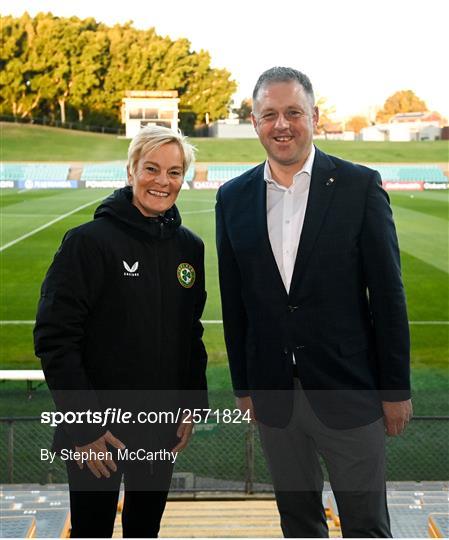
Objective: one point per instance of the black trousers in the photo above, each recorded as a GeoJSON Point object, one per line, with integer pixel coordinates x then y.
{"type": "Point", "coordinates": [355, 459]}
{"type": "Point", "coordinates": [93, 502]}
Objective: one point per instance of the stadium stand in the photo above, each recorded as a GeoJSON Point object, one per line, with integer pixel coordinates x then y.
{"type": "Point", "coordinates": [410, 513]}
{"type": "Point", "coordinates": [17, 526]}
{"type": "Point", "coordinates": [332, 510]}
{"type": "Point", "coordinates": [104, 171]}
{"type": "Point", "coordinates": [414, 514]}
{"type": "Point", "coordinates": [49, 522]}
{"type": "Point", "coordinates": [11, 171]}
{"type": "Point", "coordinates": [33, 171]}
{"type": "Point", "coordinates": [257, 518]}
{"type": "Point", "coordinates": [116, 171]}
{"type": "Point", "coordinates": [439, 525]}
{"type": "Point", "coordinates": [408, 173]}
{"type": "Point", "coordinates": [190, 174]}
{"type": "Point", "coordinates": [223, 173]}
{"type": "Point", "coordinates": [391, 173]}
{"type": "Point", "coordinates": [47, 508]}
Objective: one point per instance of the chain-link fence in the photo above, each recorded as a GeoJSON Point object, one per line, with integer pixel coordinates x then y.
{"type": "Point", "coordinates": [223, 457]}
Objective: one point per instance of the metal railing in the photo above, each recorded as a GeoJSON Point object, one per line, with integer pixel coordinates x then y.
{"type": "Point", "coordinates": [225, 457]}
{"type": "Point", "coordinates": [78, 126]}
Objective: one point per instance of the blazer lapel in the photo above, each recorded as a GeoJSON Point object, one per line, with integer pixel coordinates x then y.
{"type": "Point", "coordinates": [321, 191]}
{"type": "Point", "coordinates": [260, 208]}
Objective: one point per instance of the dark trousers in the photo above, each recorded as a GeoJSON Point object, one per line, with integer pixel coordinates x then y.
{"type": "Point", "coordinates": [93, 502]}
{"type": "Point", "coordinates": [355, 459]}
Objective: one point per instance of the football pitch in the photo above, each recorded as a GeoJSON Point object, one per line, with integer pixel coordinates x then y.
{"type": "Point", "coordinates": [34, 222]}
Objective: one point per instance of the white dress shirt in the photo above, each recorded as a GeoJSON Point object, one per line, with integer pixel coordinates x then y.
{"type": "Point", "coordinates": [286, 208]}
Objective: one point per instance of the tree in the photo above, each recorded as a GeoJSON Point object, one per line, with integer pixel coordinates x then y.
{"type": "Point", "coordinates": [49, 59]}
{"type": "Point", "coordinates": [88, 67]}
{"type": "Point", "coordinates": [326, 111]}
{"type": "Point", "coordinates": [74, 65]}
{"type": "Point", "coordinates": [403, 101]}
{"type": "Point", "coordinates": [209, 91]}
{"type": "Point", "coordinates": [244, 111]}
{"type": "Point", "coordinates": [143, 60]}
{"type": "Point", "coordinates": [356, 123]}
{"type": "Point", "coordinates": [16, 93]}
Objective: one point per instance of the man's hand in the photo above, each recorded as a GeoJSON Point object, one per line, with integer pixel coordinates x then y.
{"type": "Point", "coordinates": [184, 432]}
{"type": "Point", "coordinates": [246, 404]}
{"type": "Point", "coordinates": [397, 414]}
{"type": "Point", "coordinates": [100, 467]}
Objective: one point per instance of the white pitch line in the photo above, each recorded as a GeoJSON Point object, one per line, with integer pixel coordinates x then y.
{"type": "Point", "coordinates": [13, 323]}
{"type": "Point", "coordinates": [429, 322]}
{"type": "Point", "coordinates": [7, 215]}
{"type": "Point", "coordinates": [198, 211]}
{"type": "Point", "coordinates": [49, 224]}
{"type": "Point", "coordinates": [218, 321]}
{"type": "Point", "coordinates": [435, 323]}
{"type": "Point", "coordinates": [197, 200]}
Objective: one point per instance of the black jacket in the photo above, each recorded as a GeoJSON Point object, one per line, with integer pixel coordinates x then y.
{"type": "Point", "coordinates": [115, 316]}
{"type": "Point", "coordinates": [344, 317]}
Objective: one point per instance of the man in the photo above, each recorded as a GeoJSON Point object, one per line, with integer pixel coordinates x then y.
{"type": "Point", "coordinates": [314, 315]}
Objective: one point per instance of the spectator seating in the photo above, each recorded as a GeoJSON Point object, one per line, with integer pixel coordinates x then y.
{"type": "Point", "coordinates": [439, 525]}
{"type": "Point", "coordinates": [412, 514]}
{"type": "Point", "coordinates": [190, 174]}
{"type": "Point", "coordinates": [49, 522]}
{"type": "Point", "coordinates": [116, 171]}
{"type": "Point", "coordinates": [48, 509]}
{"type": "Point", "coordinates": [33, 171]}
{"type": "Point", "coordinates": [410, 173]}
{"type": "Point", "coordinates": [17, 526]}
{"type": "Point", "coordinates": [223, 173]}
{"type": "Point", "coordinates": [104, 171]}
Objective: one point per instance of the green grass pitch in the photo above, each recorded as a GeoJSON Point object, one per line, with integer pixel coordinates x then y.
{"type": "Point", "coordinates": [35, 143]}
{"type": "Point", "coordinates": [422, 223]}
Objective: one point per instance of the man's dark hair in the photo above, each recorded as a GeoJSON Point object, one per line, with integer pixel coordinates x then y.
{"type": "Point", "coordinates": [284, 74]}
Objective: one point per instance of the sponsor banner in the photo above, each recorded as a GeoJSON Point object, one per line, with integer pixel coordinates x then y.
{"type": "Point", "coordinates": [436, 185]}
{"type": "Point", "coordinates": [5, 184]}
{"type": "Point", "coordinates": [209, 184]}
{"type": "Point", "coordinates": [47, 184]}
{"type": "Point", "coordinates": [115, 184]}
{"type": "Point", "coordinates": [105, 184]}
{"type": "Point", "coordinates": [403, 186]}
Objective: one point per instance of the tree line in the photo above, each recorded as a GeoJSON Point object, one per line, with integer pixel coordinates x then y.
{"type": "Point", "coordinates": [72, 69]}
{"type": "Point", "coordinates": [402, 101]}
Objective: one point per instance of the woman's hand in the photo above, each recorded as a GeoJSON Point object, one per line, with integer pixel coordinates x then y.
{"type": "Point", "coordinates": [100, 467]}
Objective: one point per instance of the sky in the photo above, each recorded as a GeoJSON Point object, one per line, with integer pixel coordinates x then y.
{"type": "Point", "coordinates": [356, 52]}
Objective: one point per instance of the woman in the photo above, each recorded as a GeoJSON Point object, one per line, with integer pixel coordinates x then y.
{"type": "Point", "coordinates": [118, 328]}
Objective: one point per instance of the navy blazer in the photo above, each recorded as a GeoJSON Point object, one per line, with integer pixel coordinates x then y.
{"type": "Point", "coordinates": [344, 318]}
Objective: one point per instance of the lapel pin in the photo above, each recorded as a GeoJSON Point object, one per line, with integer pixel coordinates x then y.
{"type": "Point", "coordinates": [330, 181]}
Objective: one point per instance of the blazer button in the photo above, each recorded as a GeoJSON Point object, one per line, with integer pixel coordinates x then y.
{"type": "Point", "coordinates": [292, 308]}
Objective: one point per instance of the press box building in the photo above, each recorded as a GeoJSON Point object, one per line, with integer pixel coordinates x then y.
{"type": "Point", "coordinates": [144, 107]}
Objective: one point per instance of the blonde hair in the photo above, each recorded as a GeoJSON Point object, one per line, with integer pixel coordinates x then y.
{"type": "Point", "coordinates": [151, 138]}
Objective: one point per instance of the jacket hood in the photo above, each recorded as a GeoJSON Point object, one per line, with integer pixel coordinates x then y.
{"type": "Point", "coordinates": [119, 206]}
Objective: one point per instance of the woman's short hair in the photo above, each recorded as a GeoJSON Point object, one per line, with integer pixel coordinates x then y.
{"type": "Point", "coordinates": [153, 137]}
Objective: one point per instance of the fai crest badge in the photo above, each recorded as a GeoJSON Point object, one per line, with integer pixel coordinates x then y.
{"type": "Point", "coordinates": [186, 275]}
